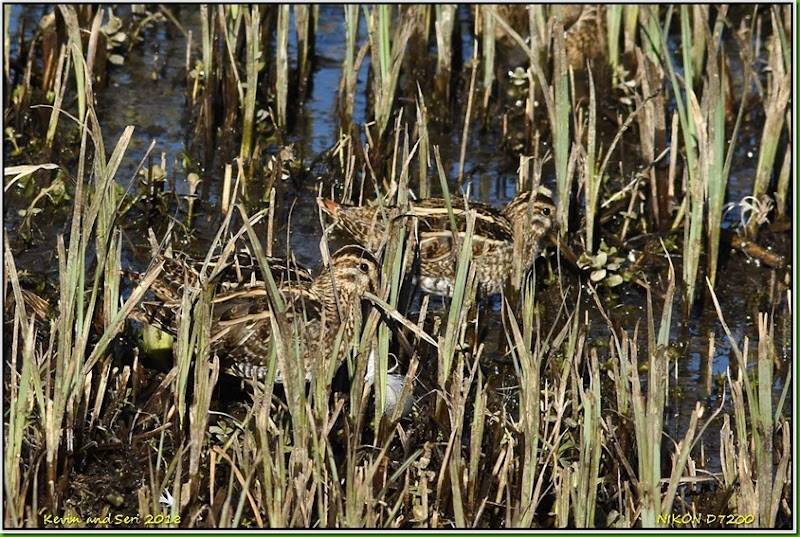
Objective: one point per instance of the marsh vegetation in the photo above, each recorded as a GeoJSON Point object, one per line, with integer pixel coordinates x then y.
{"type": "Point", "coordinates": [638, 376]}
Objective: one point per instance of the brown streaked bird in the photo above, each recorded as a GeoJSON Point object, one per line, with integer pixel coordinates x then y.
{"type": "Point", "coordinates": [317, 310]}
{"type": "Point", "coordinates": [584, 31]}
{"type": "Point", "coordinates": [584, 35]}
{"type": "Point", "coordinates": [239, 276]}
{"type": "Point", "coordinates": [239, 271]}
{"type": "Point", "coordinates": [499, 236]}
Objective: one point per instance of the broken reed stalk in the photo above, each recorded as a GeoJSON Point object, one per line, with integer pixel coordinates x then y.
{"type": "Point", "coordinates": [445, 20]}
{"type": "Point", "coordinates": [488, 40]}
{"type": "Point", "coordinates": [282, 65]}
{"type": "Point", "coordinates": [206, 374]}
{"type": "Point", "coordinates": [588, 468]}
{"type": "Point", "coordinates": [468, 116]}
{"type": "Point", "coordinates": [252, 27]}
{"type": "Point", "coordinates": [424, 145]}
{"type": "Point", "coordinates": [207, 24]}
{"type": "Point", "coordinates": [303, 28]}
{"type": "Point", "coordinates": [349, 71]}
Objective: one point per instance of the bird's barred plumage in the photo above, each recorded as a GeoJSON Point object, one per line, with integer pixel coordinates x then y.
{"type": "Point", "coordinates": [499, 236]}
{"type": "Point", "coordinates": [241, 326]}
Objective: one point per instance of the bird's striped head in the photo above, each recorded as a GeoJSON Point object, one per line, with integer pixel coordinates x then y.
{"type": "Point", "coordinates": [542, 215]}
{"type": "Point", "coordinates": [354, 270]}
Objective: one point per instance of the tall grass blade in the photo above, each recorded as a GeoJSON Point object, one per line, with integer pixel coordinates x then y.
{"type": "Point", "coordinates": [252, 27]}
{"type": "Point", "coordinates": [560, 116]}
{"type": "Point", "coordinates": [282, 64]}
{"type": "Point", "coordinates": [776, 101]}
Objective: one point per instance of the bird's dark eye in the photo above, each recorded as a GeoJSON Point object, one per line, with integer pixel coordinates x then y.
{"type": "Point", "coordinates": [546, 211]}
{"type": "Point", "coordinates": [364, 267]}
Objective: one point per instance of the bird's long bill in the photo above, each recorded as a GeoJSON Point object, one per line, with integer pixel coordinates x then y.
{"type": "Point", "coordinates": [399, 317]}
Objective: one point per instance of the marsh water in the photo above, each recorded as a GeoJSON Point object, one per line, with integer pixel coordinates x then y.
{"type": "Point", "coordinates": [149, 91]}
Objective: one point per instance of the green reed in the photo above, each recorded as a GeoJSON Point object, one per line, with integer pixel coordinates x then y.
{"type": "Point", "coordinates": [650, 31]}
{"type": "Point", "coordinates": [454, 382]}
{"type": "Point", "coordinates": [630, 23]}
{"type": "Point", "coordinates": [776, 100]}
{"type": "Point", "coordinates": [556, 97]}
{"type": "Point", "coordinates": [240, 29]}
{"type": "Point", "coordinates": [705, 138]}
{"type": "Point", "coordinates": [394, 263]}
{"type": "Point", "coordinates": [310, 469]}
{"type": "Point", "coordinates": [698, 54]}
{"type": "Point", "coordinates": [559, 118]}
{"type": "Point", "coordinates": [588, 471]}
{"type": "Point", "coordinates": [690, 118]}
{"type": "Point", "coordinates": [362, 500]}
{"type": "Point", "coordinates": [347, 87]}
{"type": "Point", "coordinates": [692, 50]}
{"type": "Point", "coordinates": [713, 112]}
{"type": "Point", "coordinates": [553, 451]}
{"type": "Point", "coordinates": [614, 17]}
{"type": "Point", "coordinates": [761, 482]}
{"type": "Point", "coordinates": [647, 415]}
{"type": "Point", "coordinates": [648, 412]}
{"type": "Point", "coordinates": [282, 64]}
{"type": "Point", "coordinates": [24, 398]}
{"type": "Point", "coordinates": [592, 180]}
{"type": "Point", "coordinates": [252, 27]}
{"type": "Point", "coordinates": [387, 50]}
{"type": "Point", "coordinates": [76, 47]}
{"type": "Point", "coordinates": [304, 432]}
{"type": "Point", "coordinates": [60, 88]}
{"type": "Point", "coordinates": [64, 399]}
{"type": "Point", "coordinates": [461, 289]}
{"type": "Point", "coordinates": [527, 365]}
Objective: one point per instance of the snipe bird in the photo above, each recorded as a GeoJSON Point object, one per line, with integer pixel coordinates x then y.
{"type": "Point", "coordinates": [500, 236]}
{"type": "Point", "coordinates": [239, 276]}
{"type": "Point", "coordinates": [317, 309]}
